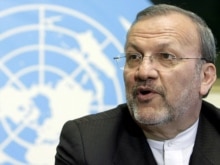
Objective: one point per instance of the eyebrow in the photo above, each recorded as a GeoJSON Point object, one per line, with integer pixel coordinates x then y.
{"type": "Point", "coordinates": [131, 45]}
{"type": "Point", "coordinates": [159, 46]}
{"type": "Point", "coordinates": [162, 46]}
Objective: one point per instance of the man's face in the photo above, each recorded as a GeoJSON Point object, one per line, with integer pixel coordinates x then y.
{"type": "Point", "coordinates": [155, 94]}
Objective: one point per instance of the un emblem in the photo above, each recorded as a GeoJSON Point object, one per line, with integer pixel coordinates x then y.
{"type": "Point", "coordinates": [55, 65]}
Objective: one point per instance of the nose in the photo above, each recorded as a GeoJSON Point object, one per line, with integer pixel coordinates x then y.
{"type": "Point", "coordinates": [146, 69]}
{"type": "Point", "coordinates": [149, 58]}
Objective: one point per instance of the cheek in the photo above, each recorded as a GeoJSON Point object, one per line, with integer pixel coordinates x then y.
{"type": "Point", "coordinates": [175, 83]}
{"type": "Point", "coordinates": [129, 79]}
{"type": "Point", "coordinates": [183, 82]}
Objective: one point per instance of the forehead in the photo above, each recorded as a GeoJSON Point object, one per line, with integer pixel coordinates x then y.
{"type": "Point", "coordinates": [172, 26]}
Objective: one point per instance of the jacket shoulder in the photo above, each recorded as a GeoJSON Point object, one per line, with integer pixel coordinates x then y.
{"type": "Point", "coordinates": [211, 111]}
{"type": "Point", "coordinates": [207, 147]}
{"type": "Point", "coordinates": [86, 138]}
{"type": "Point", "coordinates": [99, 133]}
{"type": "Point", "coordinates": [113, 113]}
{"type": "Point", "coordinates": [212, 114]}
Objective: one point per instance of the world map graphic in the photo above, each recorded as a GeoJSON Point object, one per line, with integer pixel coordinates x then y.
{"type": "Point", "coordinates": [52, 73]}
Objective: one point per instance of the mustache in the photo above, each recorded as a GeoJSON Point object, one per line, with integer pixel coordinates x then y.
{"type": "Point", "coordinates": [148, 86]}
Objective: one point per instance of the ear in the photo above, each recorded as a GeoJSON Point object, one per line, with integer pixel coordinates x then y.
{"type": "Point", "coordinates": [208, 77]}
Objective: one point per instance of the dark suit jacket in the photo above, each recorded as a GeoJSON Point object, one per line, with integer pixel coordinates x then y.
{"type": "Point", "coordinates": [112, 137]}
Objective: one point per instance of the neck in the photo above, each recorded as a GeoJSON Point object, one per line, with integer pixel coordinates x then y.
{"type": "Point", "coordinates": [166, 131]}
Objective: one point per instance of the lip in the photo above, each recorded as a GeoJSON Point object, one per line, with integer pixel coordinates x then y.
{"type": "Point", "coordinates": [145, 94]}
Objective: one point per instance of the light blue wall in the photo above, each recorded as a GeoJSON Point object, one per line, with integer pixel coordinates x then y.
{"type": "Point", "coordinates": [56, 64]}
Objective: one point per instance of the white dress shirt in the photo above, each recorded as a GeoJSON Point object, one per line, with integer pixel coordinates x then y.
{"type": "Point", "coordinates": [176, 151]}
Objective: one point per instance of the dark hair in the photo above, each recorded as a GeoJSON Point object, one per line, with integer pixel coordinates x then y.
{"type": "Point", "coordinates": [207, 41]}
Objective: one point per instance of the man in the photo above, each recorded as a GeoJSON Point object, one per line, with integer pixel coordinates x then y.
{"type": "Point", "coordinates": [169, 68]}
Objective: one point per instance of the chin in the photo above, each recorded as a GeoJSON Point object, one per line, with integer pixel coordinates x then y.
{"type": "Point", "coordinates": [151, 117]}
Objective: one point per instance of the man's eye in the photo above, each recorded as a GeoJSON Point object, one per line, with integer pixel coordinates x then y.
{"type": "Point", "coordinates": [166, 56]}
{"type": "Point", "coordinates": [133, 57]}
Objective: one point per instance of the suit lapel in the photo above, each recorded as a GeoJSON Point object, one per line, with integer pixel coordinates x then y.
{"type": "Point", "coordinates": [132, 147]}
{"type": "Point", "coordinates": [134, 151]}
{"type": "Point", "coordinates": [207, 145]}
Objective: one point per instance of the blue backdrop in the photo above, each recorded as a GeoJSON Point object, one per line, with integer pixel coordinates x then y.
{"type": "Point", "coordinates": [56, 64]}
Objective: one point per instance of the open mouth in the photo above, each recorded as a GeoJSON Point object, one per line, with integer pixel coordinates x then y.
{"type": "Point", "coordinates": [144, 90]}
{"type": "Point", "coordinates": [145, 94]}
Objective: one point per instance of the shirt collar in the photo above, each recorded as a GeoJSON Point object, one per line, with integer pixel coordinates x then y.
{"type": "Point", "coordinates": [181, 141]}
